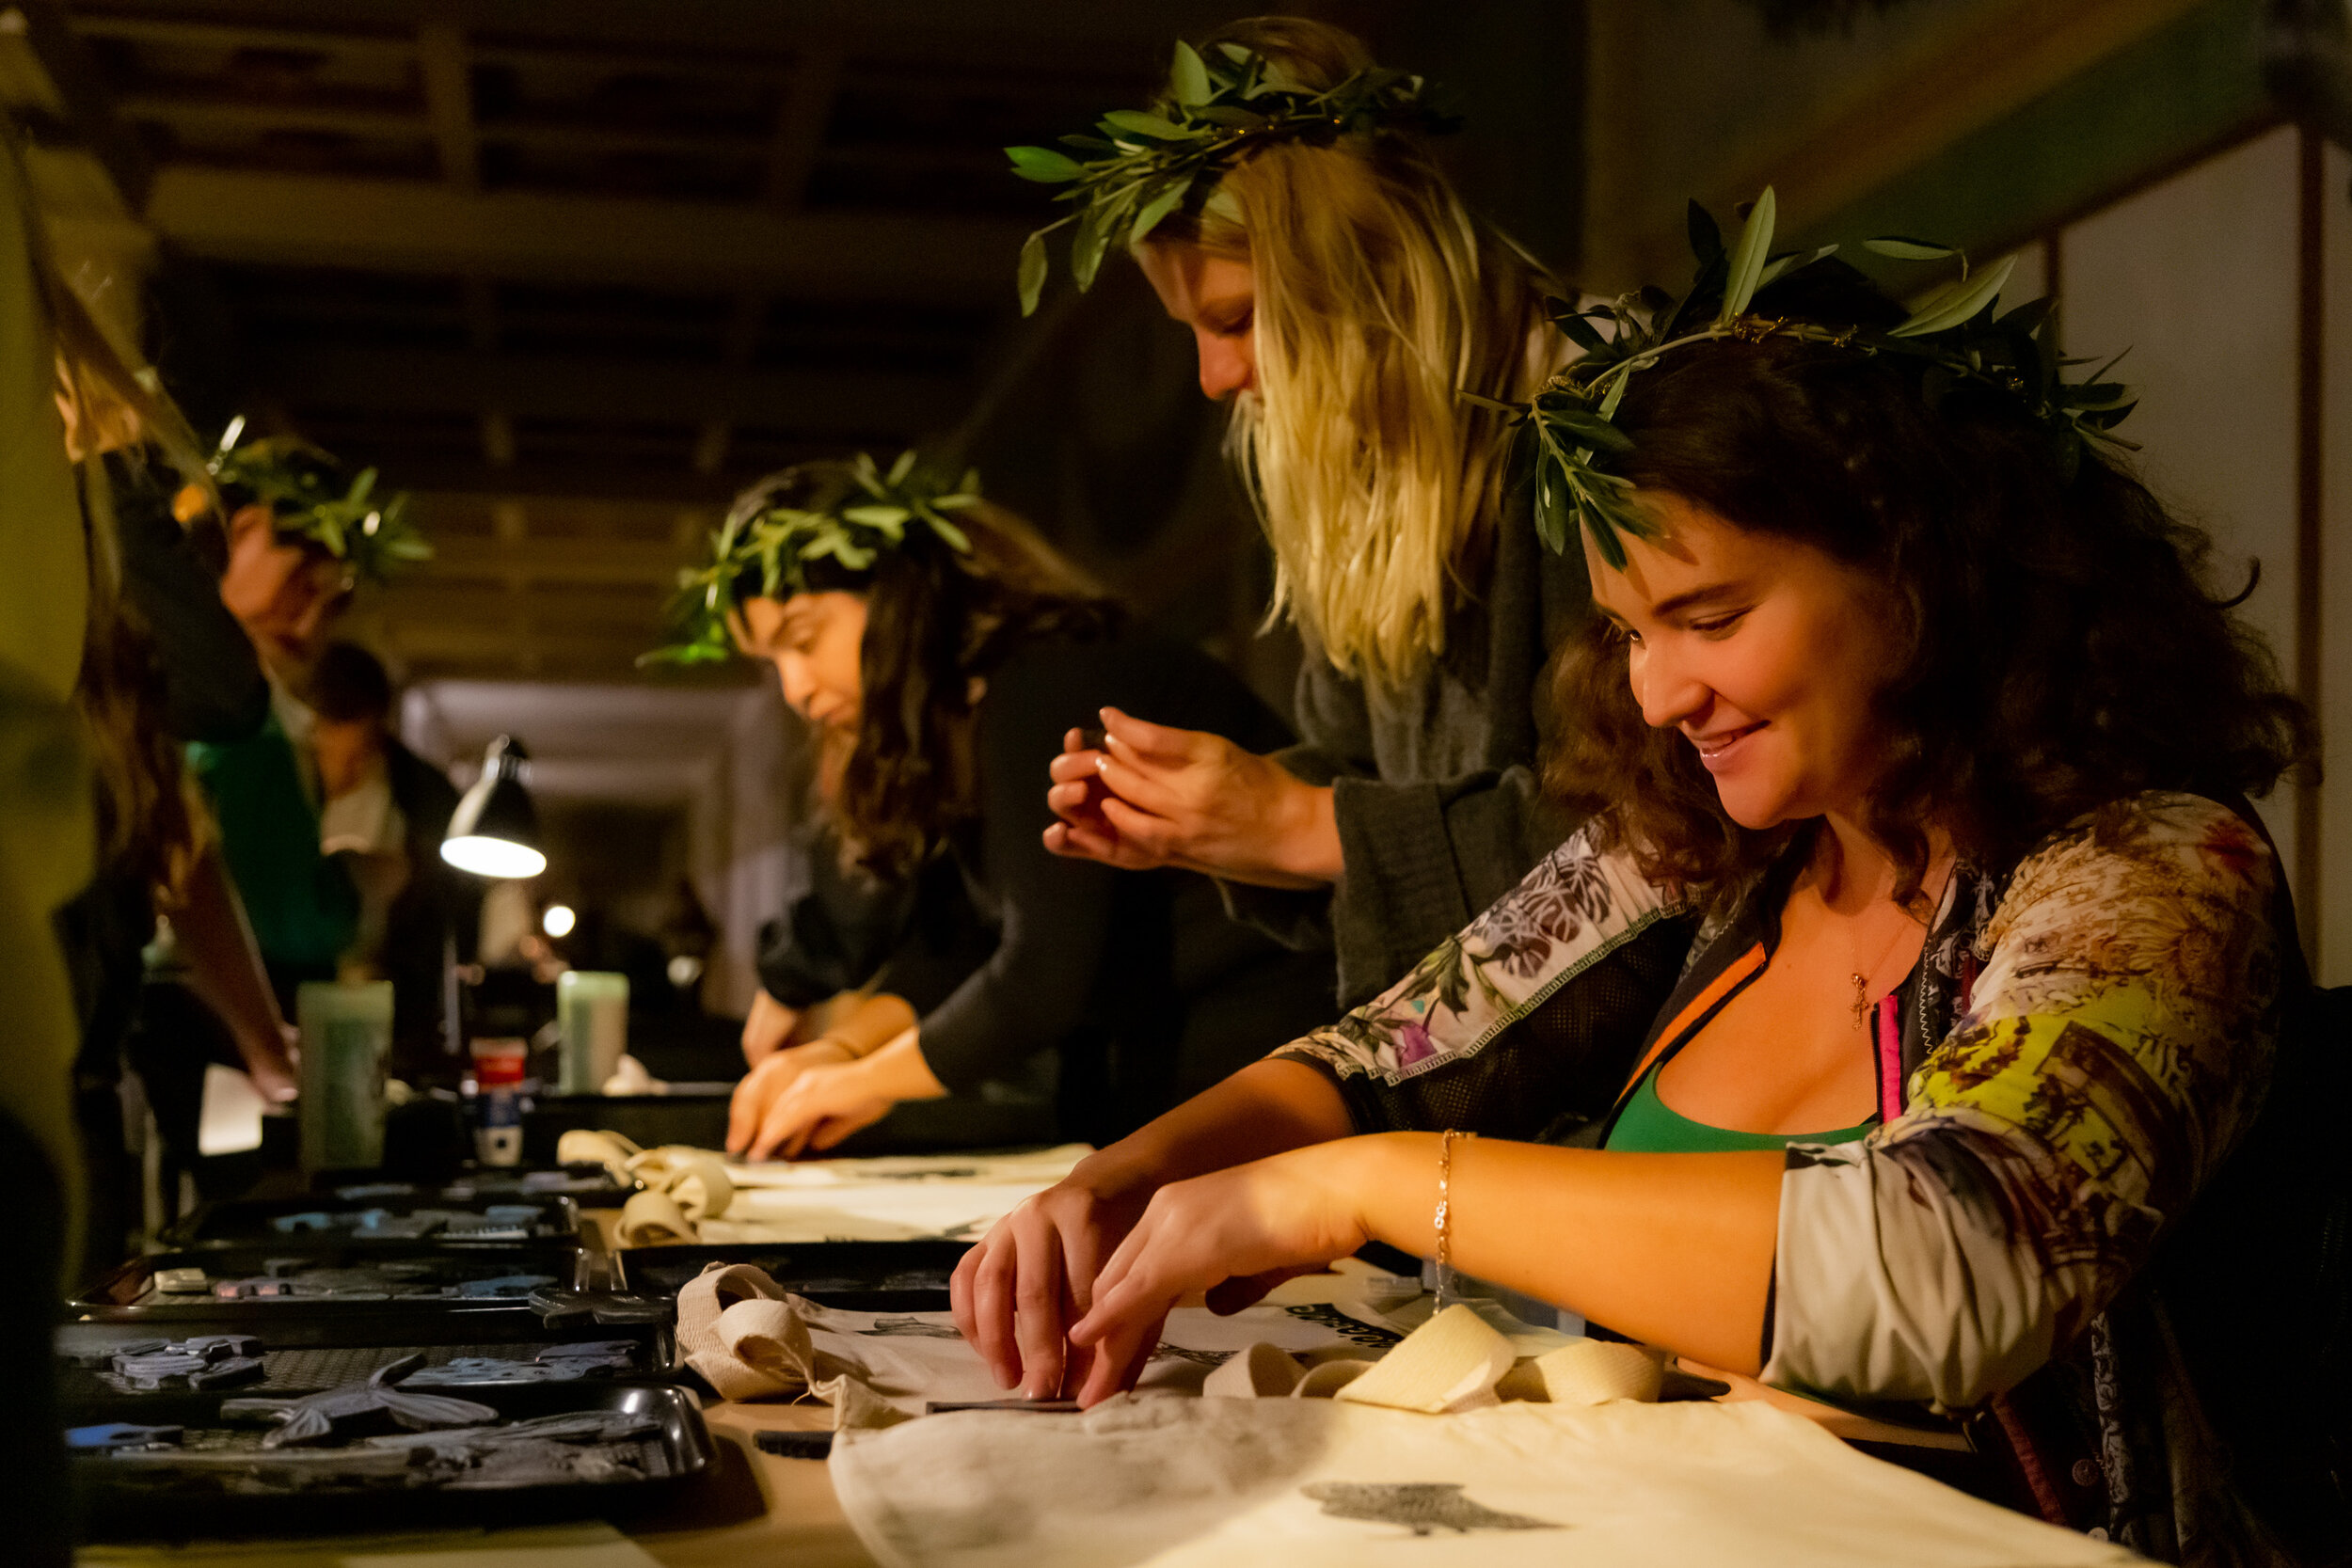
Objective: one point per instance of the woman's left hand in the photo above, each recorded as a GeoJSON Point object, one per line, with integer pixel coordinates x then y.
{"type": "Point", "coordinates": [816, 1107]}
{"type": "Point", "coordinates": [1231, 1235]}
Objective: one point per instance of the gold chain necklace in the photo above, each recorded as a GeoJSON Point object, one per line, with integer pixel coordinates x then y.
{"type": "Point", "coordinates": [1861, 977]}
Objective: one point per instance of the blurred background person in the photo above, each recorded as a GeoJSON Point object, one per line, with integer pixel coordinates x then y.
{"type": "Point", "coordinates": [386, 808]}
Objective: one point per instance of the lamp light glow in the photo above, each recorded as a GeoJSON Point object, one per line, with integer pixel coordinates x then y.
{"type": "Point", "coordinates": [559, 920]}
{"type": "Point", "coordinates": [495, 829]}
{"type": "Point", "coordinates": [493, 857]}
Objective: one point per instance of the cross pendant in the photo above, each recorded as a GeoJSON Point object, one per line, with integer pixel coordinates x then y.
{"type": "Point", "coordinates": [1861, 1002]}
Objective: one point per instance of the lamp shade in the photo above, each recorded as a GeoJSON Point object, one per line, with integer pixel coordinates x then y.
{"type": "Point", "coordinates": [495, 831]}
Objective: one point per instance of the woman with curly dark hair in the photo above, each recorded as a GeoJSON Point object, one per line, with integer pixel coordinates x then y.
{"type": "Point", "coordinates": [948, 649]}
{"type": "Point", "coordinates": [1899, 1028]}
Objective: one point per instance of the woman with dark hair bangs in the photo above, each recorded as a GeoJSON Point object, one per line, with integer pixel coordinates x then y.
{"type": "Point", "coordinates": [1914, 1022]}
{"type": "Point", "coordinates": [942, 649]}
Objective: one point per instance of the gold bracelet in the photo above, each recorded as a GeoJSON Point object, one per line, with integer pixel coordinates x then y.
{"type": "Point", "coordinates": [1445, 1207]}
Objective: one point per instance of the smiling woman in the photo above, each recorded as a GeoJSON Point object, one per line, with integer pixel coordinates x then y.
{"type": "Point", "coordinates": [1905, 1025]}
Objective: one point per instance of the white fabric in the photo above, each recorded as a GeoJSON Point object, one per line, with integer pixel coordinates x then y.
{"type": "Point", "coordinates": [751, 1340]}
{"type": "Point", "coordinates": [1452, 1362]}
{"type": "Point", "coordinates": [895, 1198]}
{"type": "Point", "coordinates": [1278, 1483]}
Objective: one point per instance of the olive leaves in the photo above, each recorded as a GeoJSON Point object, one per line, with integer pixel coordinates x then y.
{"type": "Point", "coordinates": [1952, 330]}
{"type": "Point", "coordinates": [1141, 165]}
{"type": "Point", "coordinates": [372, 536]}
{"type": "Point", "coordinates": [767, 553]}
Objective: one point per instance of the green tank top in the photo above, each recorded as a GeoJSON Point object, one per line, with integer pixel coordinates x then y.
{"type": "Point", "coordinates": [1649, 1126]}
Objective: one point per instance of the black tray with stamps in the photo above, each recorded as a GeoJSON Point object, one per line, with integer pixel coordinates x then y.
{"type": "Point", "coordinates": [586, 1183]}
{"type": "Point", "coordinates": [251, 1351]}
{"type": "Point", "coordinates": [379, 1454]}
{"type": "Point", "coordinates": [342, 1279]}
{"type": "Point", "coordinates": [858, 1276]}
{"type": "Point", "coordinates": [374, 1220]}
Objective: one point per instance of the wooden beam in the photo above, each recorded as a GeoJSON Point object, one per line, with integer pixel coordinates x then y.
{"type": "Point", "coordinates": [257, 114]}
{"type": "Point", "coordinates": [190, 34]}
{"type": "Point", "coordinates": [449, 103]}
{"type": "Point", "coordinates": [563, 386]}
{"type": "Point", "coordinates": [411, 226]}
{"type": "Point", "coordinates": [801, 124]}
{"type": "Point", "coordinates": [601, 562]}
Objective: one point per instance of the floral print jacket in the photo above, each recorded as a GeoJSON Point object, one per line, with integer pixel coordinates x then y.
{"type": "Point", "coordinates": [2088, 1036]}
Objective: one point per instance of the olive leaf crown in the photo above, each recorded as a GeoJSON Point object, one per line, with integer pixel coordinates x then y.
{"type": "Point", "coordinates": [1953, 330]}
{"type": "Point", "coordinates": [303, 487]}
{"type": "Point", "coordinates": [764, 550]}
{"type": "Point", "coordinates": [1145, 164]}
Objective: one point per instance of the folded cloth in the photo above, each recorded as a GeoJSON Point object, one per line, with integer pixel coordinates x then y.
{"type": "Point", "coordinates": [1274, 1482]}
{"type": "Point", "coordinates": [750, 1340]}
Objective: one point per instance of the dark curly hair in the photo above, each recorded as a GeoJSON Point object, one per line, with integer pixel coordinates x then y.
{"type": "Point", "coordinates": [2060, 647]}
{"type": "Point", "coordinates": [935, 618]}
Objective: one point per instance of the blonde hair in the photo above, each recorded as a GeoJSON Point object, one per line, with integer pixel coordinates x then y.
{"type": "Point", "coordinates": [1379, 299]}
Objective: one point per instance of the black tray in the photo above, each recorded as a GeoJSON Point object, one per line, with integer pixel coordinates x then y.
{"type": "Point", "coordinates": [257, 1221]}
{"type": "Point", "coordinates": [859, 1276]}
{"type": "Point", "coordinates": [590, 1186]}
{"type": "Point", "coordinates": [117, 1502]}
{"type": "Point", "coordinates": [127, 1291]}
{"type": "Point", "coordinates": [303, 1354]}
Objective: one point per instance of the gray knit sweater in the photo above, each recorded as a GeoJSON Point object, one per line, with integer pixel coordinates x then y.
{"type": "Point", "coordinates": [1434, 782]}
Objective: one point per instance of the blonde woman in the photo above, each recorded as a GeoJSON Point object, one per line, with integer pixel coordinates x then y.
{"type": "Point", "coordinates": [1342, 297]}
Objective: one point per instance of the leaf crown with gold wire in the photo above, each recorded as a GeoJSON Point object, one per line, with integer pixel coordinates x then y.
{"type": "Point", "coordinates": [765, 550]}
{"type": "Point", "coordinates": [303, 487]}
{"type": "Point", "coordinates": [1955, 331]}
{"type": "Point", "coordinates": [1142, 165]}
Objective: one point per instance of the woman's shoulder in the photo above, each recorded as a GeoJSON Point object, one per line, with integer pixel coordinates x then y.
{"type": "Point", "coordinates": [2152, 863]}
{"type": "Point", "coordinates": [2167, 832]}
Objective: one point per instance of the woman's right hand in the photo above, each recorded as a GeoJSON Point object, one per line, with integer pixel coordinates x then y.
{"type": "Point", "coordinates": [766, 1082]}
{"type": "Point", "coordinates": [768, 1028]}
{"type": "Point", "coordinates": [1018, 1292]}
{"type": "Point", "coordinates": [1147, 796]}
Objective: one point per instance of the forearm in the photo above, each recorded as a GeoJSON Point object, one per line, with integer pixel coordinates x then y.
{"type": "Point", "coordinates": [1267, 1108]}
{"type": "Point", "coordinates": [1671, 1249]}
{"type": "Point", "coordinates": [899, 1072]}
{"type": "Point", "coordinates": [1306, 850]}
{"type": "Point", "coordinates": [224, 964]}
{"type": "Point", "coordinates": [862, 1025]}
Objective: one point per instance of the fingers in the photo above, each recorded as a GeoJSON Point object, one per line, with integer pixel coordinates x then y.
{"type": "Point", "coordinates": [1076, 842]}
{"type": "Point", "coordinates": [785, 1122]}
{"type": "Point", "coordinates": [1036, 1321]}
{"type": "Point", "coordinates": [961, 1285]}
{"type": "Point", "coordinates": [746, 1107]}
{"type": "Point", "coordinates": [990, 1297]}
{"type": "Point", "coordinates": [1158, 743]}
{"type": "Point", "coordinates": [1153, 840]}
{"type": "Point", "coordinates": [1073, 767]}
{"type": "Point", "coordinates": [1144, 786]}
{"type": "Point", "coordinates": [1119, 1360]}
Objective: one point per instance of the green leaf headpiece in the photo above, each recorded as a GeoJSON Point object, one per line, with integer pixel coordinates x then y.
{"type": "Point", "coordinates": [1954, 332]}
{"type": "Point", "coordinates": [1144, 164]}
{"type": "Point", "coordinates": [850, 515]}
{"type": "Point", "coordinates": [304, 488]}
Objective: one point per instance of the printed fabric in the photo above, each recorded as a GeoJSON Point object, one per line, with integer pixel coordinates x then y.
{"type": "Point", "coordinates": [2089, 1034]}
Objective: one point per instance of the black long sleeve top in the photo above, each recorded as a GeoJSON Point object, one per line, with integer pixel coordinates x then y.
{"type": "Point", "coordinates": [1082, 951]}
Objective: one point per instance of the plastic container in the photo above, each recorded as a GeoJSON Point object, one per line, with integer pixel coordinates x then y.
{"type": "Point", "coordinates": [347, 1033]}
{"type": "Point", "coordinates": [592, 1016]}
{"type": "Point", "coordinates": [497, 1073]}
